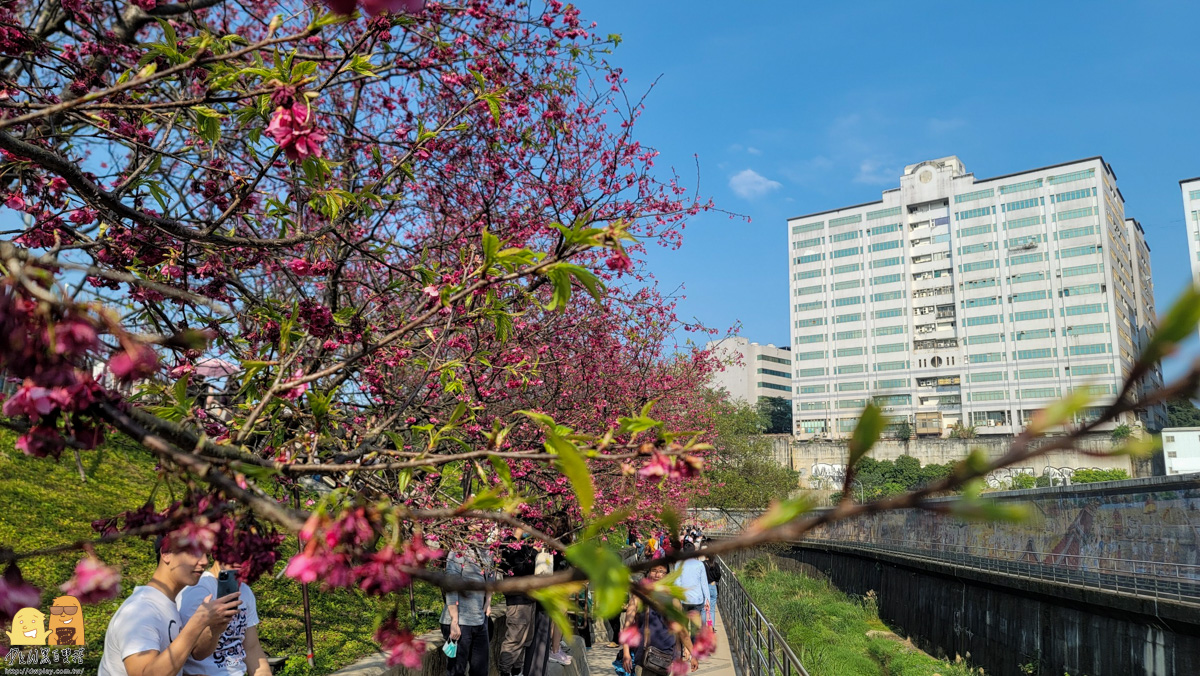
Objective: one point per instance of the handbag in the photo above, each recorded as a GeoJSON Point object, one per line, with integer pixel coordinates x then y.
{"type": "Point", "coordinates": [650, 659]}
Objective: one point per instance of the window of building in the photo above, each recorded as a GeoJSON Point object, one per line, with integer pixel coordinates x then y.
{"type": "Point", "coordinates": [988, 376]}
{"type": "Point", "coordinates": [1073, 195]}
{"type": "Point", "coordinates": [1082, 270]}
{"type": "Point", "coordinates": [1079, 251]}
{"type": "Point", "coordinates": [1091, 369]}
{"type": "Point", "coordinates": [979, 302]}
{"type": "Point", "coordinates": [1039, 393]}
{"type": "Point", "coordinates": [884, 246]}
{"type": "Point", "coordinates": [1073, 176]}
{"type": "Point", "coordinates": [851, 387]}
{"type": "Point", "coordinates": [806, 243]}
{"type": "Point", "coordinates": [887, 262]}
{"type": "Point", "coordinates": [814, 389]}
{"type": "Point", "coordinates": [773, 386]}
{"type": "Point", "coordinates": [809, 290]}
{"type": "Point", "coordinates": [972, 196]}
{"type": "Point", "coordinates": [1171, 454]}
{"type": "Point", "coordinates": [891, 347]}
{"type": "Point", "coordinates": [984, 229]}
{"type": "Point", "coordinates": [809, 274]}
{"type": "Point", "coordinates": [1034, 374]}
{"type": "Point", "coordinates": [1025, 259]}
{"type": "Point", "coordinates": [777, 374]}
{"type": "Point", "coordinates": [890, 312]}
{"type": "Point", "coordinates": [1041, 353]}
{"type": "Point", "coordinates": [992, 395]}
{"type": "Point", "coordinates": [883, 213]}
{"type": "Point", "coordinates": [1023, 204]}
{"type": "Point", "coordinates": [845, 220]}
{"type": "Point", "coordinates": [852, 317]}
{"type": "Point", "coordinates": [982, 321]}
{"type": "Point", "coordinates": [847, 284]}
{"type": "Point", "coordinates": [848, 300]}
{"type": "Point", "coordinates": [1030, 315]}
{"type": "Point", "coordinates": [891, 366]}
{"type": "Point", "coordinates": [1099, 348]}
{"type": "Point", "coordinates": [1085, 309]}
{"type": "Point", "coordinates": [1072, 214]}
{"type": "Point", "coordinates": [891, 383]}
{"type": "Point", "coordinates": [805, 356]}
{"type": "Point", "coordinates": [850, 368]}
{"type": "Point", "coordinates": [977, 265]}
{"type": "Point", "coordinates": [1081, 290]}
{"type": "Point", "coordinates": [808, 307]}
{"type": "Point", "coordinates": [888, 330]}
{"type": "Point", "coordinates": [974, 213]}
{"type": "Point", "coordinates": [1018, 187]}
{"type": "Point", "coordinates": [1072, 233]}
{"type": "Point", "coordinates": [850, 351]}
{"type": "Point", "coordinates": [1025, 222]}
{"type": "Point", "coordinates": [888, 279]}
{"type": "Point", "coordinates": [843, 269]}
{"type": "Point", "coordinates": [811, 258]}
{"type": "Point", "coordinates": [985, 357]}
{"type": "Point", "coordinates": [852, 251]}
{"type": "Point", "coordinates": [884, 229]}
{"type": "Point", "coordinates": [845, 236]}
{"type": "Point", "coordinates": [807, 227]}
{"type": "Point", "coordinates": [810, 338]}
{"type": "Point", "coordinates": [810, 373]}
{"type": "Point", "coordinates": [1027, 296]}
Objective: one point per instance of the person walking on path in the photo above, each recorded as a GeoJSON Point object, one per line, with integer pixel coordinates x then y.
{"type": "Point", "coordinates": [693, 580]}
{"type": "Point", "coordinates": [464, 619]}
{"type": "Point", "coordinates": [654, 630]}
{"type": "Point", "coordinates": [713, 572]}
{"type": "Point", "coordinates": [517, 560]}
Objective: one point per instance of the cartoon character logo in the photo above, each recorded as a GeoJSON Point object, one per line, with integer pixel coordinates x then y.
{"type": "Point", "coordinates": [66, 621]}
{"type": "Point", "coordinates": [29, 628]}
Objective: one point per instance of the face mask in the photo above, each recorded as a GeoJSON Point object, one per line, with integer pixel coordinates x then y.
{"type": "Point", "coordinates": [451, 648]}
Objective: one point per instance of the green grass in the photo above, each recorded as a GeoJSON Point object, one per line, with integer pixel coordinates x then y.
{"type": "Point", "coordinates": [44, 504]}
{"type": "Point", "coordinates": [828, 629]}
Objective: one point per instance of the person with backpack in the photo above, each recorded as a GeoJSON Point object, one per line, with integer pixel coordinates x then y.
{"type": "Point", "coordinates": [713, 572]}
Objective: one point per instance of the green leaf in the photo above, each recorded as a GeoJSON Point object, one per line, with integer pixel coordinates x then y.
{"type": "Point", "coordinates": [1174, 327]}
{"type": "Point", "coordinates": [491, 246]}
{"type": "Point", "coordinates": [556, 600]}
{"type": "Point", "coordinates": [866, 433]}
{"type": "Point", "coordinates": [502, 470]}
{"type": "Point", "coordinates": [1059, 413]}
{"type": "Point", "coordinates": [608, 575]}
{"type": "Point", "coordinates": [605, 523]}
{"type": "Point", "coordinates": [571, 464]}
{"type": "Point", "coordinates": [783, 512]}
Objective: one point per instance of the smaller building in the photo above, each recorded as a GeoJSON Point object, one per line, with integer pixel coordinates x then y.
{"type": "Point", "coordinates": [1181, 449]}
{"type": "Point", "coordinates": [752, 370]}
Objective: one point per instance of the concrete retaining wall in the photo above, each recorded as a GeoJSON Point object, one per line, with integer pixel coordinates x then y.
{"type": "Point", "coordinates": [1017, 627]}
{"type": "Point", "coordinates": [822, 465]}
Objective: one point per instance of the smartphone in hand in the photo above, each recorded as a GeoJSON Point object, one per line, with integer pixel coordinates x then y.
{"type": "Point", "coordinates": [227, 583]}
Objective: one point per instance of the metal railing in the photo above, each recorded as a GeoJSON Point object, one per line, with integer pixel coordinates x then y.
{"type": "Point", "coordinates": [758, 649]}
{"type": "Point", "coordinates": [1150, 579]}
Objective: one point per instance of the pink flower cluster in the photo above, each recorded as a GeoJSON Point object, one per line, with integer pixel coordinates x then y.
{"type": "Point", "coordinates": [671, 467]}
{"type": "Point", "coordinates": [294, 131]}
{"type": "Point", "coordinates": [400, 645]}
{"type": "Point", "coordinates": [93, 581]}
{"type": "Point", "coordinates": [376, 7]}
{"type": "Point", "coordinates": [15, 594]}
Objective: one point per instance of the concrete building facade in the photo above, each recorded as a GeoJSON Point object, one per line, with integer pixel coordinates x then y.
{"type": "Point", "coordinates": [752, 370]}
{"type": "Point", "coordinates": [974, 301]}
{"type": "Point", "coordinates": [1181, 449]}
{"type": "Point", "coordinates": [1190, 189]}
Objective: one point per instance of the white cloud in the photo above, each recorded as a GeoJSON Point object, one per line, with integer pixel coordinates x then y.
{"type": "Point", "coordinates": [939, 126]}
{"type": "Point", "coordinates": [753, 151]}
{"type": "Point", "coordinates": [873, 172]}
{"type": "Point", "coordinates": [749, 184]}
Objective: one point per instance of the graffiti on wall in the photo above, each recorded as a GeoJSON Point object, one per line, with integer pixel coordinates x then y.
{"type": "Point", "coordinates": [827, 476]}
{"type": "Point", "coordinates": [1136, 531]}
{"type": "Point", "coordinates": [1058, 476]}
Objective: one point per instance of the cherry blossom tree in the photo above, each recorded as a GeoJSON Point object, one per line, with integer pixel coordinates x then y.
{"type": "Point", "coordinates": [393, 247]}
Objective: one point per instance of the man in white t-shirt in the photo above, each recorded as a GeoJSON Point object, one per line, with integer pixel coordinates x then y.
{"type": "Point", "coordinates": [238, 652]}
{"type": "Point", "coordinates": [147, 637]}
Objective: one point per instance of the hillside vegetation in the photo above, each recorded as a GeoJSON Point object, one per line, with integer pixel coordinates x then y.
{"type": "Point", "coordinates": [46, 504]}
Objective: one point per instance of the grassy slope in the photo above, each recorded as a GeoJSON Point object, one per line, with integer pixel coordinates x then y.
{"type": "Point", "coordinates": [43, 504]}
{"type": "Point", "coordinates": [828, 629]}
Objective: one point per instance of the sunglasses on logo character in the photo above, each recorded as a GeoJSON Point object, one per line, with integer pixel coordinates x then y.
{"type": "Point", "coordinates": [63, 610]}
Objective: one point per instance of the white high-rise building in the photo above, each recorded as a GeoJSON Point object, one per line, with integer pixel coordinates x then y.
{"type": "Point", "coordinates": [1190, 187]}
{"type": "Point", "coordinates": [752, 370]}
{"type": "Point", "coordinates": [974, 301]}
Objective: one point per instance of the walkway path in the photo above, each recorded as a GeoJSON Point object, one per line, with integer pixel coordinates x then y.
{"type": "Point", "coordinates": [720, 663]}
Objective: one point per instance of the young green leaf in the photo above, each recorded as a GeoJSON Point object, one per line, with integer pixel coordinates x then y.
{"type": "Point", "coordinates": [608, 575]}
{"type": "Point", "coordinates": [783, 512]}
{"type": "Point", "coordinates": [556, 601]}
{"type": "Point", "coordinates": [866, 433]}
{"type": "Point", "coordinates": [571, 464]}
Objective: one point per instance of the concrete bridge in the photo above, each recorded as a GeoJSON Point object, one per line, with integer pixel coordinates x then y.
{"type": "Point", "coordinates": [1104, 579]}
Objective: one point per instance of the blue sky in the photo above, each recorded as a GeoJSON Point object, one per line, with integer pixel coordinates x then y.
{"type": "Point", "coordinates": [797, 107]}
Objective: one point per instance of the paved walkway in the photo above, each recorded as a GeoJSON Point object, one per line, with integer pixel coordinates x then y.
{"type": "Point", "coordinates": [720, 663]}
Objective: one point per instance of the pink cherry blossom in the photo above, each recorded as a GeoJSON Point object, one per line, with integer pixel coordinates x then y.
{"type": "Point", "coordinates": [630, 636]}
{"type": "Point", "coordinates": [705, 642]}
{"type": "Point", "coordinates": [299, 266]}
{"type": "Point", "coordinates": [16, 593]}
{"type": "Point", "coordinates": [93, 581]}
{"type": "Point", "coordinates": [377, 7]}
{"type": "Point", "coordinates": [135, 363]}
{"type": "Point", "coordinates": [41, 442]}
{"type": "Point", "coordinates": [297, 391]}
{"type": "Point", "coordinates": [679, 668]}
{"type": "Point", "coordinates": [293, 129]}
{"type": "Point", "coordinates": [32, 401]}
{"type": "Point", "coordinates": [15, 201]}
{"type": "Point", "coordinates": [400, 644]}
{"type": "Point", "coordinates": [75, 337]}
